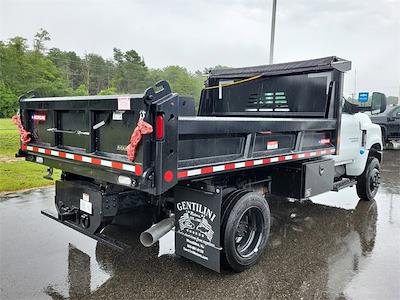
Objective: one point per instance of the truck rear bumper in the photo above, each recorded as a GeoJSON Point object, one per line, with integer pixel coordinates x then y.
{"type": "Point", "coordinates": [124, 176]}
{"type": "Point", "coordinates": [101, 238]}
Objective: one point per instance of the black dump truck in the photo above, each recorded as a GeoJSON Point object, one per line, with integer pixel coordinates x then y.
{"type": "Point", "coordinates": [203, 172]}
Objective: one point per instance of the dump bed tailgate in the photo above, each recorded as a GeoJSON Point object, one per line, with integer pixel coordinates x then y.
{"type": "Point", "coordinates": [86, 133]}
{"type": "Point", "coordinates": [89, 136]}
{"type": "Point", "coordinates": [83, 124]}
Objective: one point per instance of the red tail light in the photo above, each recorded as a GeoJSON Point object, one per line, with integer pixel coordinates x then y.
{"type": "Point", "coordinates": [159, 126]}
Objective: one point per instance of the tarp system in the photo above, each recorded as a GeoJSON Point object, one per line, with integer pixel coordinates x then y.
{"type": "Point", "coordinates": [325, 63]}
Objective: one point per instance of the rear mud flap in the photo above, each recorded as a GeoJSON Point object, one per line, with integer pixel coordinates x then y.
{"type": "Point", "coordinates": [197, 224]}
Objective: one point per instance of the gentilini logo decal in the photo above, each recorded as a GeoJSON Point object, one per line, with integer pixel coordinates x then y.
{"type": "Point", "coordinates": [39, 117]}
{"type": "Point", "coordinates": [196, 219]}
{"type": "Point", "coordinates": [197, 226]}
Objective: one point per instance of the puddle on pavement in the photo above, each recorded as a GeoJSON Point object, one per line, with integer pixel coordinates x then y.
{"type": "Point", "coordinates": [330, 247]}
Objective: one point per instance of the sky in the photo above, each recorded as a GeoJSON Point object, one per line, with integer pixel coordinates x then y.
{"type": "Point", "coordinates": [235, 33]}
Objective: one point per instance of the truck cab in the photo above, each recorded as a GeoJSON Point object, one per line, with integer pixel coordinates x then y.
{"type": "Point", "coordinates": [360, 137]}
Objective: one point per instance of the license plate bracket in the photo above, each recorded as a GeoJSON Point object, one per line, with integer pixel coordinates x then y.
{"type": "Point", "coordinates": [86, 206]}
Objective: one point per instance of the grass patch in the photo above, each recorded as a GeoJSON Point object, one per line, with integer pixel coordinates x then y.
{"type": "Point", "coordinates": [17, 174]}
{"type": "Point", "coordinates": [9, 142]}
{"type": "Point", "coordinates": [7, 124]}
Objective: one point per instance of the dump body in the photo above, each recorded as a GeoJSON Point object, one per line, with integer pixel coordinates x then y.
{"type": "Point", "coordinates": [247, 118]}
{"type": "Point", "coordinates": [207, 172]}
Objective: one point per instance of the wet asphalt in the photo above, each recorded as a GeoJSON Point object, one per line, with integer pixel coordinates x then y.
{"type": "Point", "coordinates": [331, 247]}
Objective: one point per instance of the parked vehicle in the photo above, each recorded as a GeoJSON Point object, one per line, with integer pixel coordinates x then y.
{"type": "Point", "coordinates": [389, 121]}
{"type": "Point", "coordinates": [276, 129]}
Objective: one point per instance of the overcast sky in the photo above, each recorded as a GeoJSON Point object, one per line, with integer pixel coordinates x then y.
{"type": "Point", "coordinates": [204, 33]}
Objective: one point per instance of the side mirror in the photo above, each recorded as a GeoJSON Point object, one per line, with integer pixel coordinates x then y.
{"type": "Point", "coordinates": [378, 103]}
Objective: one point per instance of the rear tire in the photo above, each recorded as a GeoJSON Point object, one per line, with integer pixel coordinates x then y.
{"type": "Point", "coordinates": [245, 229]}
{"type": "Point", "coordinates": [368, 182]}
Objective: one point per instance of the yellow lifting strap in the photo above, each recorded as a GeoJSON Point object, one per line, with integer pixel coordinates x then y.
{"type": "Point", "coordinates": [234, 83]}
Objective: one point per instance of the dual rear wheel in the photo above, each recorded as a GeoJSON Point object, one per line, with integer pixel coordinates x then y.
{"type": "Point", "coordinates": [245, 229]}
{"type": "Point", "coordinates": [245, 221]}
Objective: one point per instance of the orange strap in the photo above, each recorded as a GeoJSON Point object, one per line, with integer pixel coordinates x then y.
{"type": "Point", "coordinates": [142, 128]}
{"type": "Point", "coordinates": [24, 134]}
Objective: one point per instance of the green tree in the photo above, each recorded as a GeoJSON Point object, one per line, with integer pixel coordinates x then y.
{"type": "Point", "coordinates": [41, 37]}
{"type": "Point", "coordinates": [180, 79]}
{"type": "Point", "coordinates": [69, 64]}
{"type": "Point", "coordinates": [97, 73]}
{"type": "Point", "coordinates": [23, 70]}
{"type": "Point", "coordinates": [12, 57]}
{"type": "Point", "coordinates": [61, 73]}
{"type": "Point", "coordinates": [131, 73]}
{"type": "Point", "coordinates": [109, 91]}
{"type": "Point", "coordinates": [82, 90]}
{"type": "Point", "coordinates": [8, 101]}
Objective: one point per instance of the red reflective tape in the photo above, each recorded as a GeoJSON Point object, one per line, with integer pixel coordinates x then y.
{"type": "Point", "coordinates": [96, 161]}
{"type": "Point", "coordinates": [116, 165]}
{"type": "Point", "coordinates": [139, 171]}
{"type": "Point", "coordinates": [249, 163]}
{"type": "Point", "coordinates": [206, 170]}
{"type": "Point", "coordinates": [266, 161]}
{"type": "Point", "coordinates": [229, 166]}
{"type": "Point", "coordinates": [182, 174]}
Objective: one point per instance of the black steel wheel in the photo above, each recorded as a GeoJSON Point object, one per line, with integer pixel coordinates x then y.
{"type": "Point", "coordinates": [245, 229]}
{"type": "Point", "coordinates": [368, 182]}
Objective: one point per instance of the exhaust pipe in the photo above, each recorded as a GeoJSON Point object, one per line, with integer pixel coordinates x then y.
{"type": "Point", "coordinates": [155, 232]}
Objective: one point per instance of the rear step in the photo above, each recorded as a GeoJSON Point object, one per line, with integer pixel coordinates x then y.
{"type": "Point", "coordinates": [101, 238]}
{"type": "Point", "coordinates": [344, 183]}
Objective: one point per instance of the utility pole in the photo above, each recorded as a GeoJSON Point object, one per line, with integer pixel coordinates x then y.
{"type": "Point", "coordinates": [271, 45]}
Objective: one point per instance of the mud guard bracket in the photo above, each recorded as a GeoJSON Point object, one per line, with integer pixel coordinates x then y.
{"type": "Point", "coordinates": [198, 224]}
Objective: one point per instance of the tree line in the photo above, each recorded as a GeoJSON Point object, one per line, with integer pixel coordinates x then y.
{"type": "Point", "coordinates": [54, 72]}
